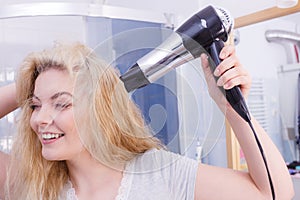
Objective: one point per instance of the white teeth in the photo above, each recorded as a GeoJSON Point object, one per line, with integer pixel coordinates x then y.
{"type": "Point", "coordinates": [48, 136]}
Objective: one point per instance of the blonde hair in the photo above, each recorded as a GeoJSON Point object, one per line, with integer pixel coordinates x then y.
{"type": "Point", "coordinates": [111, 129]}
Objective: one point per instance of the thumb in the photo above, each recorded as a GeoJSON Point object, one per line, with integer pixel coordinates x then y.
{"type": "Point", "coordinates": [209, 77]}
{"type": "Point", "coordinates": [213, 89]}
{"type": "Point", "coordinates": [204, 60]}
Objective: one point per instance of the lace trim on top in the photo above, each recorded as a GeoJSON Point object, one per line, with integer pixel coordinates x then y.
{"type": "Point", "coordinates": [123, 190]}
{"type": "Point", "coordinates": [124, 187]}
{"type": "Point", "coordinates": [71, 195]}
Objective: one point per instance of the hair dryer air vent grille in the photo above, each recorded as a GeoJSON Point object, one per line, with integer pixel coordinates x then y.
{"type": "Point", "coordinates": [226, 19]}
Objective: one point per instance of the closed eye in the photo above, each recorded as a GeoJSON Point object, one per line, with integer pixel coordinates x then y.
{"type": "Point", "coordinates": [62, 106]}
{"type": "Point", "coordinates": [34, 106]}
{"type": "Point", "coordinates": [34, 103]}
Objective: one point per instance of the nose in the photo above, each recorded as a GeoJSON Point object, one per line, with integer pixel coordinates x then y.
{"type": "Point", "coordinates": [43, 116]}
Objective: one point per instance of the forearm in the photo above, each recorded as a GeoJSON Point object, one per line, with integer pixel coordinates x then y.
{"type": "Point", "coordinates": [4, 159]}
{"type": "Point", "coordinates": [281, 179]}
{"type": "Point", "coordinates": [8, 101]}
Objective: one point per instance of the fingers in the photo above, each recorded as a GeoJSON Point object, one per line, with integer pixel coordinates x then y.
{"type": "Point", "coordinates": [229, 60]}
{"type": "Point", "coordinates": [232, 77]}
{"type": "Point", "coordinates": [227, 51]}
{"type": "Point", "coordinates": [230, 72]}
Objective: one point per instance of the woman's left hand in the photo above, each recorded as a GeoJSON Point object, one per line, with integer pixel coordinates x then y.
{"type": "Point", "coordinates": [229, 73]}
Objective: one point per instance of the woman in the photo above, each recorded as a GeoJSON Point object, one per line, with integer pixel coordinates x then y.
{"type": "Point", "coordinates": [80, 137]}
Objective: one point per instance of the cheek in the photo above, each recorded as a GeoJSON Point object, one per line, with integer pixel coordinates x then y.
{"type": "Point", "coordinates": [66, 122]}
{"type": "Point", "coordinates": [32, 123]}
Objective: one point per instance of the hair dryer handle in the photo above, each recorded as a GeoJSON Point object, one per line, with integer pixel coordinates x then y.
{"type": "Point", "coordinates": [234, 95]}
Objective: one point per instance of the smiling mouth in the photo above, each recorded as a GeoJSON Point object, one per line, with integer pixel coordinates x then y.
{"type": "Point", "coordinates": [51, 136]}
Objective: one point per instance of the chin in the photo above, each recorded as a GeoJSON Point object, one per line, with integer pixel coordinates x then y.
{"type": "Point", "coordinates": [51, 156]}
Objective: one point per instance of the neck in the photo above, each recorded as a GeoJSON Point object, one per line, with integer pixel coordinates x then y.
{"type": "Point", "coordinates": [88, 175]}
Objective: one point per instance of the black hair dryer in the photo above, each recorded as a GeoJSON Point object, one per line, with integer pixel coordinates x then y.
{"type": "Point", "coordinates": [204, 32]}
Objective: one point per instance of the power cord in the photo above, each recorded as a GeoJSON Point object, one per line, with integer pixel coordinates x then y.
{"type": "Point", "coordinates": [235, 97]}
{"type": "Point", "coordinates": [264, 159]}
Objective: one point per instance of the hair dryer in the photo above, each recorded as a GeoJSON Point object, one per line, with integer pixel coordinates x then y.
{"type": "Point", "coordinates": [204, 32]}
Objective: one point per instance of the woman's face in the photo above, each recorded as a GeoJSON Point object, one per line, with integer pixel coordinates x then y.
{"type": "Point", "coordinates": [52, 117]}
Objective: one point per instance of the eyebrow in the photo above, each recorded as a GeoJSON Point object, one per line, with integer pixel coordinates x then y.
{"type": "Point", "coordinates": [55, 96]}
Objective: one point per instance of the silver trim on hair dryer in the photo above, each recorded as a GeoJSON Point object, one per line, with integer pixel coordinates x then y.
{"type": "Point", "coordinates": [167, 56]}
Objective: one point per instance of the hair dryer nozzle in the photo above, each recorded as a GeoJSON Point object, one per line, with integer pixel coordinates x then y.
{"type": "Point", "coordinates": [134, 78]}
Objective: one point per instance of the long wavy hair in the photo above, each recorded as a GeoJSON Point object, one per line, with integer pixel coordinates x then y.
{"type": "Point", "coordinates": [109, 124]}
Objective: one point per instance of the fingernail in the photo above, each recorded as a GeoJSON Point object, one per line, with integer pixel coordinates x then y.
{"type": "Point", "coordinates": [204, 56]}
{"type": "Point", "coordinates": [217, 72]}
{"type": "Point", "coordinates": [223, 54]}
{"type": "Point", "coordinates": [219, 83]}
{"type": "Point", "coordinates": [226, 86]}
